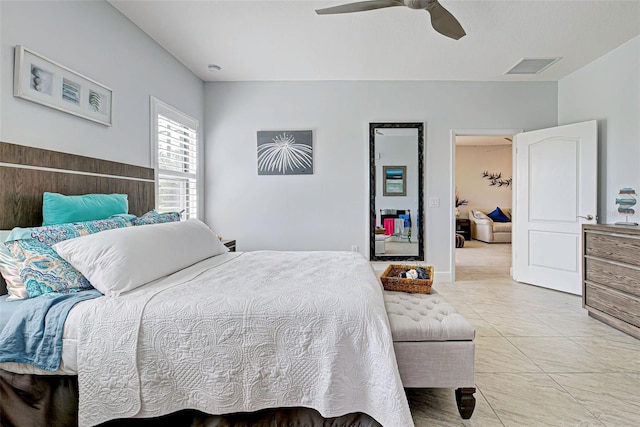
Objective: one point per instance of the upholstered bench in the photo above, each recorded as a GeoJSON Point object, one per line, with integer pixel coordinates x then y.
{"type": "Point", "coordinates": [434, 345]}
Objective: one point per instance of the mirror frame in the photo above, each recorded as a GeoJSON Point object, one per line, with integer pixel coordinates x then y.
{"type": "Point", "coordinates": [372, 192]}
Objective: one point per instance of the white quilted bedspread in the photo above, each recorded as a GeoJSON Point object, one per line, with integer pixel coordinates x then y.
{"type": "Point", "coordinates": [243, 332]}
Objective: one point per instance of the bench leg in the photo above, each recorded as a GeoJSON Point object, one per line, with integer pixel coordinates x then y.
{"type": "Point", "coordinates": [466, 401]}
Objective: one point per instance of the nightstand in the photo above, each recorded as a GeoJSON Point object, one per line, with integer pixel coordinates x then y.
{"type": "Point", "coordinates": [463, 227]}
{"type": "Point", "coordinates": [231, 244]}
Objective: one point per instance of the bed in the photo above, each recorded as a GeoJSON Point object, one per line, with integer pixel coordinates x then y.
{"type": "Point", "coordinates": [260, 338]}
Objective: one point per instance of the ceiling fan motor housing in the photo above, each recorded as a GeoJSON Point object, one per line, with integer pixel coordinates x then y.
{"type": "Point", "coordinates": [420, 4]}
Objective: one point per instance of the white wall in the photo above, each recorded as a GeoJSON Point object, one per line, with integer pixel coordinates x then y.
{"type": "Point", "coordinates": [329, 209]}
{"type": "Point", "coordinates": [95, 40]}
{"type": "Point", "coordinates": [608, 90]}
{"type": "Point", "coordinates": [471, 161]}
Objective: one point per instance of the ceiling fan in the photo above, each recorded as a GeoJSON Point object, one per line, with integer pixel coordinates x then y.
{"type": "Point", "coordinates": [441, 19]}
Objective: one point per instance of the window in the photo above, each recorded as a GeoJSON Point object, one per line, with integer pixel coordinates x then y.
{"type": "Point", "coordinates": [176, 153]}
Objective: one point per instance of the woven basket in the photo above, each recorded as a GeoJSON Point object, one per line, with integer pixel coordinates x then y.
{"type": "Point", "coordinates": [392, 281]}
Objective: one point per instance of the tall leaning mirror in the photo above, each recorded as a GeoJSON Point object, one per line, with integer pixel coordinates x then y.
{"type": "Point", "coordinates": [395, 191]}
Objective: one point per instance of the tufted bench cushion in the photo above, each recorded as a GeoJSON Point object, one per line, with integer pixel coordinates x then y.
{"type": "Point", "coordinates": [433, 344]}
{"type": "Point", "coordinates": [425, 317]}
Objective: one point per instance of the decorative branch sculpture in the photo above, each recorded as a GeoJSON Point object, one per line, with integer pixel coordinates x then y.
{"type": "Point", "coordinates": [496, 179]}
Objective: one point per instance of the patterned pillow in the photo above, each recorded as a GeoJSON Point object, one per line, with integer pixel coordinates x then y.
{"type": "Point", "coordinates": [153, 217]}
{"type": "Point", "coordinates": [52, 234]}
{"type": "Point", "coordinates": [43, 271]}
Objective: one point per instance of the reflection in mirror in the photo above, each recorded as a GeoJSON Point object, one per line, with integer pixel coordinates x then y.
{"type": "Point", "coordinates": [395, 191]}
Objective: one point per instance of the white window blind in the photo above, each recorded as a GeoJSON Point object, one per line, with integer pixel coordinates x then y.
{"type": "Point", "coordinates": [177, 161]}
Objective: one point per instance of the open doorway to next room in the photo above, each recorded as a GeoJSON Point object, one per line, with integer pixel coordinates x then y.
{"type": "Point", "coordinates": [483, 199]}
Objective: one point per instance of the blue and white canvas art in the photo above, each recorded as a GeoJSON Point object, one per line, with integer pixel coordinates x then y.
{"type": "Point", "coordinates": [285, 152]}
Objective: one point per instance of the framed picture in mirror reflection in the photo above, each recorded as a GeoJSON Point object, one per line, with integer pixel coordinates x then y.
{"type": "Point", "coordinates": [395, 180]}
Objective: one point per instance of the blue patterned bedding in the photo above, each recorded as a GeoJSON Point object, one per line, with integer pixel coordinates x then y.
{"type": "Point", "coordinates": [33, 329]}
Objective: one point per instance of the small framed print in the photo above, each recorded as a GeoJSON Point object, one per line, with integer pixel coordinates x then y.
{"type": "Point", "coordinates": [395, 180]}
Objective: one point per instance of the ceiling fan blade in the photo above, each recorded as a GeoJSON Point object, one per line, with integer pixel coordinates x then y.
{"type": "Point", "coordinates": [444, 22]}
{"type": "Point", "coordinates": [359, 6]}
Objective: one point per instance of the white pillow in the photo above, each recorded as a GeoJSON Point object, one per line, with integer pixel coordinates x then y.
{"type": "Point", "coordinates": [480, 215]}
{"type": "Point", "coordinates": [10, 273]}
{"type": "Point", "coordinates": [123, 259]}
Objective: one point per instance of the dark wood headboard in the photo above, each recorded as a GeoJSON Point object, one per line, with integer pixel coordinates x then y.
{"type": "Point", "coordinates": [27, 172]}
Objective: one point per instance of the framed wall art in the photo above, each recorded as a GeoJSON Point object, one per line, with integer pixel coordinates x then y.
{"type": "Point", "coordinates": [43, 81]}
{"type": "Point", "coordinates": [395, 180]}
{"type": "Point", "coordinates": [285, 152]}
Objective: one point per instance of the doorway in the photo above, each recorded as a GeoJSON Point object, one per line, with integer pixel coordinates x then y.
{"type": "Point", "coordinates": [547, 216]}
{"type": "Point", "coordinates": [482, 170]}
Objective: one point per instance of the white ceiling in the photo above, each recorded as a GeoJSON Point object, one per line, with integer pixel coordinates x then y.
{"type": "Point", "coordinates": [268, 40]}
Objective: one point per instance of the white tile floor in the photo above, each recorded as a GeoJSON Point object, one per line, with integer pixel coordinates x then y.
{"type": "Point", "coordinates": [540, 359]}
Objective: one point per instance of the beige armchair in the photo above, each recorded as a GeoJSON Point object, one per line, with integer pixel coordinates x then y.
{"type": "Point", "coordinates": [486, 230]}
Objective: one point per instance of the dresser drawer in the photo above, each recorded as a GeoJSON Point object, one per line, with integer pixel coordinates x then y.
{"type": "Point", "coordinates": [616, 276]}
{"type": "Point", "coordinates": [613, 247]}
{"type": "Point", "coordinates": [617, 304]}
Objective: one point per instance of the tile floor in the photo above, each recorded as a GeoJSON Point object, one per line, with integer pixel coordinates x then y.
{"type": "Point", "coordinates": [540, 359]}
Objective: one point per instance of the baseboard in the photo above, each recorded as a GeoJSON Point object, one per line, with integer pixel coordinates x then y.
{"type": "Point", "coordinates": [442, 276]}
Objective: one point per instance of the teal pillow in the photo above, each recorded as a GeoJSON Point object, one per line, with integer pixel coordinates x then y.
{"type": "Point", "coordinates": [61, 209]}
{"type": "Point", "coordinates": [498, 216]}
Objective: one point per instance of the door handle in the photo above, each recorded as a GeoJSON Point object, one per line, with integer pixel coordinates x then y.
{"type": "Point", "coordinates": [588, 217]}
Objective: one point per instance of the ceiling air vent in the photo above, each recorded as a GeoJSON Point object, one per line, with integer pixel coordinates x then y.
{"type": "Point", "coordinates": [532, 65]}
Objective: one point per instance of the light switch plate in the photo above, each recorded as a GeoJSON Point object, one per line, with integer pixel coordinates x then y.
{"type": "Point", "coordinates": [434, 202]}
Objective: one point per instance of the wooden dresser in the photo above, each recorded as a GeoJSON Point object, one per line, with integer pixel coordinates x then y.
{"type": "Point", "coordinates": [611, 275]}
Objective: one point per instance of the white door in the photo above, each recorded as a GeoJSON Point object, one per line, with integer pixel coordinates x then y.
{"type": "Point", "coordinates": [556, 192]}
